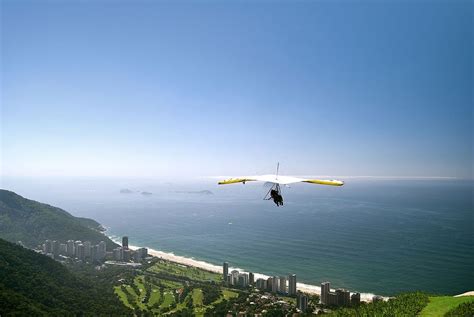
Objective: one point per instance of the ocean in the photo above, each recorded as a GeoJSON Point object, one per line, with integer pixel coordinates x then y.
{"type": "Point", "coordinates": [371, 235]}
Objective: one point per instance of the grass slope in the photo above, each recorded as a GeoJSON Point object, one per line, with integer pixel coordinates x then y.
{"type": "Point", "coordinates": [440, 305]}
{"type": "Point", "coordinates": [190, 272]}
{"type": "Point", "coordinates": [32, 223]}
{"type": "Point", "coordinates": [197, 302]}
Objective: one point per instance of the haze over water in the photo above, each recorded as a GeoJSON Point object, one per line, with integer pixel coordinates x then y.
{"type": "Point", "coordinates": [378, 236]}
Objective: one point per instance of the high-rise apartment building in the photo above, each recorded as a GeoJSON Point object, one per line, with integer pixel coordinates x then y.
{"type": "Point", "coordinates": [282, 285]}
{"type": "Point", "coordinates": [225, 271]}
{"type": "Point", "coordinates": [325, 289]}
{"type": "Point", "coordinates": [292, 285]}
{"type": "Point", "coordinates": [125, 243]}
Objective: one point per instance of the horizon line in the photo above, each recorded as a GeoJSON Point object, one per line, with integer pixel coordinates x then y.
{"type": "Point", "coordinates": [362, 176]}
{"type": "Point", "coordinates": [197, 177]}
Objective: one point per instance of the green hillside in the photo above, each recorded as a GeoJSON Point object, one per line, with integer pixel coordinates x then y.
{"type": "Point", "coordinates": [438, 306]}
{"type": "Point", "coordinates": [34, 284]}
{"type": "Point", "coordinates": [32, 223]}
{"type": "Point", "coordinates": [407, 304]}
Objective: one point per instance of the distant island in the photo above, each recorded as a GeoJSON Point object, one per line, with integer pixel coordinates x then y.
{"type": "Point", "coordinates": [129, 191]}
{"type": "Point", "coordinates": [199, 192]}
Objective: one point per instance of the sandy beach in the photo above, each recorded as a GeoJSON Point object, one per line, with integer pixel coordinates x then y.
{"type": "Point", "coordinates": [307, 288]}
{"type": "Point", "coordinates": [470, 293]}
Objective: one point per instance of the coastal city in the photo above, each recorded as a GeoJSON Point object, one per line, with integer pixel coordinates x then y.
{"type": "Point", "coordinates": [265, 292]}
{"type": "Point", "coordinates": [287, 286]}
{"type": "Point", "coordinates": [86, 251]}
{"type": "Point", "coordinates": [135, 281]}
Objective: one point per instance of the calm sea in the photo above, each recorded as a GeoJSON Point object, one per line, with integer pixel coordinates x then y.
{"type": "Point", "coordinates": [377, 236]}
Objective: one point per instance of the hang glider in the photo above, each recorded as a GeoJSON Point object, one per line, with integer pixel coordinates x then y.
{"type": "Point", "coordinates": [282, 180]}
{"type": "Point", "coordinates": [275, 191]}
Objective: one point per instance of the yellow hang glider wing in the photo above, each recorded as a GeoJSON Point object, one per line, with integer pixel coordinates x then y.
{"type": "Point", "coordinates": [236, 180]}
{"type": "Point", "coordinates": [324, 182]}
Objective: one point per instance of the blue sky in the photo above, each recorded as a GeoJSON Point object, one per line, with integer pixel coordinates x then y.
{"type": "Point", "coordinates": [186, 89]}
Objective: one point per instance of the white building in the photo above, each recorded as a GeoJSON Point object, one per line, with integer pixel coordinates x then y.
{"type": "Point", "coordinates": [118, 254]}
{"type": "Point", "coordinates": [76, 244]}
{"type": "Point", "coordinates": [63, 249]}
{"type": "Point", "coordinates": [243, 279]}
{"type": "Point", "coordinates": [140, 254]}
{"type": "Point", "coordinates": [235, 277]}
{"type": "Point", "coordinates": [94, 253]}
{"type": "Point", "coordinates": [80, 251]}
{"type": "Point", "coordinates": [101, 250]}
{"type": "Point", "coordinates": [55, 248]}
{"type": "Point", "coordinates": [261, 284]}
{"type": "Point", "coordinates": [70, 248]}
{"type": "Point", "coordinates": [87, 249]}
{"type": "Point", "coordinates": [275, 282]}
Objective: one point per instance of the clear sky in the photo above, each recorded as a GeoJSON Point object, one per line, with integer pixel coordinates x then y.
{"type": "Point", "coordinates": [171, 88]}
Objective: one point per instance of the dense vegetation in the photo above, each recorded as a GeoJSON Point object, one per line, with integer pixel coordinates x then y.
{"type": "Point", "coordinates": [223, 307]}
{"type": "Point", "coordinates": [32, 223]}
{"type": "Point", "coordinates": [34, 284]}
{"type": "Point", "coordinates": [409, 304]}
{"type": "Point", "coordinates": [463, 310]}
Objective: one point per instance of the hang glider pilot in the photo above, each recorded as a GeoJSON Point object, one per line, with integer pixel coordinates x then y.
{"type": "Point", "coordinates": [277, 198]}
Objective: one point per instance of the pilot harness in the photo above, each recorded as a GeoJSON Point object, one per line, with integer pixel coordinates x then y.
{"type": "Point", "coordinates": [274, 187]}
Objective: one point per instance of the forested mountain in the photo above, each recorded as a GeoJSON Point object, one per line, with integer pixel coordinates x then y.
{"type": "Point", "coordinates": [34, 284]}
{"type": "Point", "coordinates": [32, 223]}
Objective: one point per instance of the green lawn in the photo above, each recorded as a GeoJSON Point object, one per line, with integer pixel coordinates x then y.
{"type": "Point", "coordinates": [138, 281]}
{"type": "Point", "coordinates": [154, 297]}
{"type": "Point", "coordinates": [440, 305]}
{"type": "Point", "coordinates": [169, 298]}
{"type": "Point", "coordinates": [227, 294]}
{"type": "Point", "coordinates": [131, 291]}
{"type": "Point", "coordinates": [197, 297]}
{"type": "Point", "coordinates": [138, 297]}
{"type": "Point", "coordinates": [185, 271]}
{"type": "Point", "coordinates": [197, 302]}
{"type": "Point", "coordinates": [122, 296]}
{"type": "Point", "coordinates": [171, 284]}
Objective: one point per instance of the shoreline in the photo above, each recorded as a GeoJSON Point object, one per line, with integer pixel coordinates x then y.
{"type": "Point", "coordinates": [169, 256]}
